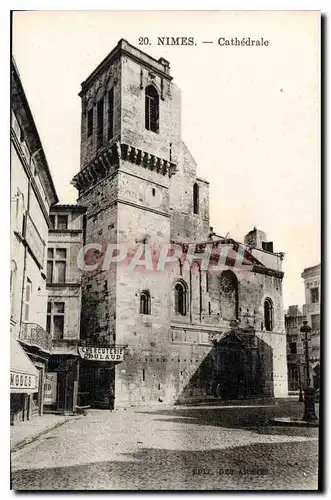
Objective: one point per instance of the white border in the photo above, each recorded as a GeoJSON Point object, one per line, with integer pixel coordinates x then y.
{"type": "Point", "coordinates": [324, 6]}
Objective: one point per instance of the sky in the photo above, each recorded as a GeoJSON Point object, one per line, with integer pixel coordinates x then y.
{"type": "Point", "coordinates": [250, 115]}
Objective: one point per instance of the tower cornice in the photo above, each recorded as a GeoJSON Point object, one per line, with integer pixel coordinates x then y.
{"type": "Point", "coordinates": [124, 48]}
{"type": "Point", "coordinates": [108, 160]}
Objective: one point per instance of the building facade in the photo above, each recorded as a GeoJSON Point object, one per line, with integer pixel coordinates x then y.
{"type": "Point", "coordinates": [184, 330]}
{"type": "Point", "coordinates": [296, 358]}
{"type": "Point", "coordinates": [295, 349]}
{"type": "Point", "coordinates": [32, 195]}
{"type": "Point", "coordinates": [312, 310]}
{"type": "Point", "coordinates": [65, 240]}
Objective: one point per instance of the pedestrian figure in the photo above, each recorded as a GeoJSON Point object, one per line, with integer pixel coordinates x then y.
{"type": "Point", "coordinates": [111, 399]}
{"type": "Point", "coordinates": [218, 391]}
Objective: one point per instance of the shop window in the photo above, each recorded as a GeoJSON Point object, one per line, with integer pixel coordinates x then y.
{"type": "Point", "coordinates": [152, 109]}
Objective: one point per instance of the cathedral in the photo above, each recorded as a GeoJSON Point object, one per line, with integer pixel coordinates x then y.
{"type": "Point", "coordinates": [186, 332]}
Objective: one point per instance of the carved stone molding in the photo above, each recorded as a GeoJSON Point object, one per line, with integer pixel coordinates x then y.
{"type": "Point", "coordinates": [108, 160]}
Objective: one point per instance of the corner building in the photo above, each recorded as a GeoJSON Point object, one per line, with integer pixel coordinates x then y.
{"type": "Point", "coordinates": [185, 331]}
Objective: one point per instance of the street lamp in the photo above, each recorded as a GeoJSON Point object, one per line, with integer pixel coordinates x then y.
{"type": "Point", "coordinates": [300, 383]}
{"type": "Point", "coordinates": [309, 393]}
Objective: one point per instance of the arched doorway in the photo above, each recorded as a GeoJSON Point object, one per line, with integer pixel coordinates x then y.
{"type": "Point", "coordinates": [238, 366]}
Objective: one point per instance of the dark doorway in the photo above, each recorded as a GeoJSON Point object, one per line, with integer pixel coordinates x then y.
{"type": "Point", "coordinates": [237, 367]}
{"type": "Point", "coordinates": [97, 383]}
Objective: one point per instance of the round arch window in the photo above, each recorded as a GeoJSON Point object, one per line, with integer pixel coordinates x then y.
{"type": "Point", "coordinates": [228, 282]}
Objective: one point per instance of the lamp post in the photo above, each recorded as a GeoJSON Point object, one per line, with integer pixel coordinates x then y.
{"type": "Point", "coordinates": [309, 393]}
{"type": "Point", "coordinates": [300, 384]}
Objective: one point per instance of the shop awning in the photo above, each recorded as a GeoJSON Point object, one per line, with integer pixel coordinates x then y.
{"type": "Point", "coordinates": [23, 374]}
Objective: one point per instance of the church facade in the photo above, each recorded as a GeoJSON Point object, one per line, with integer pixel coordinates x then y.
{"type": "Point", "coordinates": [188, 331]}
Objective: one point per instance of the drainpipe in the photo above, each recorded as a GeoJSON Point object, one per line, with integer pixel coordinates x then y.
{"type": "Point", "coordinates": [24, 236]}
{"type": "Point", "coordinates": [190, 294]}
{"type": "Point", "coordinates": [25, 260]}
{"type": "Point", "coordinates": [200, 292]}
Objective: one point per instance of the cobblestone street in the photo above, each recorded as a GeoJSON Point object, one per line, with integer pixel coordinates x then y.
{"type": "Point", "coordinates": [196, 448]}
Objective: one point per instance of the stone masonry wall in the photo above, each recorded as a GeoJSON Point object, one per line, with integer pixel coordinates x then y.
{"type": "Point", "coordinates": [99, 89]}
{"type": "Point", "coordinates": [135, 78]}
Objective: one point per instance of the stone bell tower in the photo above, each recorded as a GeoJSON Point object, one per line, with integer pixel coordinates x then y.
{"type": "Point", "coordinates": [130, 138]}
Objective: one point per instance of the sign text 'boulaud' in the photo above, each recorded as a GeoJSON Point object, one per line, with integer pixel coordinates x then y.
{"type": "Point", "coordinates": [102, 353]}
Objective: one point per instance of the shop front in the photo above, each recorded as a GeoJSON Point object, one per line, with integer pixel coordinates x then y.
{"type": "Point", "coordinates": [81, 376]}
{"type": "Point", "coordinates": [24, 383]}
{"type": "Point", "coordinates": [61, 382]}
{"type": "Point", "coordinates": [97, 375]}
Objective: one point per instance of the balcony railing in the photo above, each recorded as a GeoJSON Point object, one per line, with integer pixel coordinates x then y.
{"type": "Point", "coordinates": [34, 335]}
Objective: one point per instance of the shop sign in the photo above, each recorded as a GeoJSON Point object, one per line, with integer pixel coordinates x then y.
{"type": "Point", "coordinates": [102, 353]}
{"type": "Point", "coordinates": [50, 388]}
{"type": "Point", "coordinates": [22, 380]}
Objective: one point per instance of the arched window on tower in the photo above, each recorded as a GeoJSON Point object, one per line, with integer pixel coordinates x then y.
{"type": "Point", "coordinates": [152, 109]}
{"type": "Point", "coordinates": [195, 198]}
{"type": "Point", "coordinates": [180, 298]}
{"type": "Point", "coordinates": [145, 302]}
{"type": "Point", "coordinates": [268, 315]}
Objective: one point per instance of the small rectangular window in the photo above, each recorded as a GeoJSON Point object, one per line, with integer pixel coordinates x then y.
{"type": "Point", "coordinates": [26, 312]}
{"type": "Point", "coordinates": [90, 122]}
{"type": "Point", "coordinates": [50, 253]}
{"type": "Point", "coordinates": [58, 307]}
{"type": "Point", "coordinates": [52, 219]}
{"type": "Point", "coordinates": [315, 322]}
{"type": "Point", "coordinates": [50, 271]}
{"type": "Point", "coordinates": [60, 271]}
{"type": "Point", "coordinates": [110, 114]}
{"type": "Point", "coordinates": [58, 327]}
{"type": "Point", "coordinates": [100, 117]}
{"type": "Point", "coordinates": [293, 348]}
{"type": "Point", "coordinates": [314, 295]}
{"type": "Point", "coordinates": [55, 319]}
{"type": "Point", "coordinates": [61, 253]}
{"type": "Point", "coordinates": [62, 222]}
{"type": "Point", "coordinates": [48, 324]}
{"type": "Point", "coordinates": [28, 290]}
